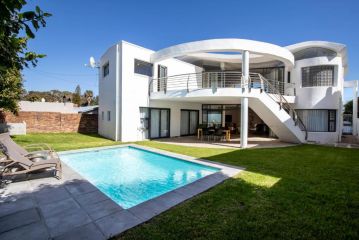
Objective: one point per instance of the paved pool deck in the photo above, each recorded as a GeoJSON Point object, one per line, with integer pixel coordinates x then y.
{"type": "Point", "coordinates": [44, 207]}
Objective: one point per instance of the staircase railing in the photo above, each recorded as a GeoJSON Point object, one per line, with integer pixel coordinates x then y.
{"type": "Point", "coordinates": [275, 94]}
{"type": "Point", "coordinates": [226, 79]}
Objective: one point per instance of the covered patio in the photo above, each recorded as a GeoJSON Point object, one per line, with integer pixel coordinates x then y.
{"type": "Point", "coordinates": [253, 142]}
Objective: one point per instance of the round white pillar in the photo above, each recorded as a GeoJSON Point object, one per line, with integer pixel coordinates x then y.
{"type": "Point", "coordinates": [244, 101]}
{"type": "Point", "coordinates": [244, 122]}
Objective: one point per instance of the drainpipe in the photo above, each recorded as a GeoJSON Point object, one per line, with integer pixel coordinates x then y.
{"type": "Point", "coordinates": [355, 108]}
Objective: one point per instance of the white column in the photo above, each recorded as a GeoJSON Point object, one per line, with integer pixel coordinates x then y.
{"type": "Point", "coordinates": [355, 108]}
{"type": "Point", "coordinates": [244, 100]}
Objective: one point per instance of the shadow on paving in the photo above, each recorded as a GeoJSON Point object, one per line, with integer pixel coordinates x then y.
{"type": "Point", "coordinates": [44, 207]}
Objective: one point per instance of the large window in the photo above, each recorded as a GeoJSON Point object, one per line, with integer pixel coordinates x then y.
{"type": "Point", "coordinates": [318, 120]}
{"type": "Point", "coordinates": [212, 114]}
{"type": "Point", "coordinates": [106, 69]}
{"type": "Point", "coordinates": [317, 76]}
{"type": "Point", "coordinates": [155, 122]}
{"type": "Point", "coordinates": [143, 68]}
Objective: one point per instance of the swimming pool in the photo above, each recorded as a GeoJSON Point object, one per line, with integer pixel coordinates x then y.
{"type": "Point", "coordinates": [130, 175]}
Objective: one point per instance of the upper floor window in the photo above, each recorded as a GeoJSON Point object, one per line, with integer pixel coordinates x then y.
{"type": "Point", "coordinates": [108, 115]}
{"type": "Point", "coordinates": [144, 68]}
{"type": "Point", "coordinates": [317, 76]}
{"type": "Point", "coordinates": [106, 69]}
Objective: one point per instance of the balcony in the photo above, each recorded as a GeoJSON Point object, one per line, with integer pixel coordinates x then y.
{"type": "Point", "coordinates": [217, 80]}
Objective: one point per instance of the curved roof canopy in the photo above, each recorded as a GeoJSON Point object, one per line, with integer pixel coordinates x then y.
{"type": "Point", "coordinates": [213, 49]}
{"type": "Point", "coordinates": [338, 48]}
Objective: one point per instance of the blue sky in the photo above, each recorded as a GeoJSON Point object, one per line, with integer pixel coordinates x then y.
{"type": "Point", "coordinates": [80, 29]}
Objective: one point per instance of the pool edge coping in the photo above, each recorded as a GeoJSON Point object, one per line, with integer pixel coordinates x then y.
{"type": "Point", "coordinates": [145, 211]}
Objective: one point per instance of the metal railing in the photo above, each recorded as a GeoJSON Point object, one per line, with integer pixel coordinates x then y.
{"type": "Point", "coordinates": [227, 79]}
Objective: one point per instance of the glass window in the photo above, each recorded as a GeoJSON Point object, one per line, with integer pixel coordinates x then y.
{"type": "Point", "coordinates": [108, 115]}
{"type": "Point", "coordinates": [102, 115]}
{"type": "Point", "coordinates": [288, 77]}
{"type": "Point", "coordinates": [317, 76]}
{"type": "Point", "coordinates": [106, 69]}
{"type": "Point", "coordinates": [318, 120]}
{"type": "Point", "coordinates": [162, 75]}
{"type": "Point", "coordinates": [144, 68]}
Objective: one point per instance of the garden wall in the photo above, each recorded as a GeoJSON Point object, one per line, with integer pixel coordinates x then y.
{"type": "Point", "coordinates": [45, 122]}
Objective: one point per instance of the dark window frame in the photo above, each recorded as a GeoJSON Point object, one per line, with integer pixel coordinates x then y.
{"type": "Point", "coordinates": [160, 119]}
{"type": "Point", "coordinates": [106, 69]}
{"type": "Point", "coordinates": [109, 116]}
{"type": "Point", "coordinates": [146, 69]}
{"type": "Point", "coordinates": [161, 85]}
{"type": "Point", "coordinates": [189, 119]}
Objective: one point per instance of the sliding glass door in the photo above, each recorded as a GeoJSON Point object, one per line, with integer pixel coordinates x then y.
{"type": "Point", "coordinates": [189, 122]}
{"type": "Point", "coordinates": [159, 122]}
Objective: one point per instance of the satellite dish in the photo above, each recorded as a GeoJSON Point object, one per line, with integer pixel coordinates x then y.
{"type": "Point", "coordinates": [92, 63]}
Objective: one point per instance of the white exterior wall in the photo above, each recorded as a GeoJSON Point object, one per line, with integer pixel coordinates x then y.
{"type": "Point", "coordinates": [320, 97]}
{"type": "Point", "coordinates": [107, 93]}
{"type": "Point", "coordinates": [27, 106]}
{"type": "Point", "coordinates": [135, 91]}
{"type": "Point", "coordinates": [123, 92]}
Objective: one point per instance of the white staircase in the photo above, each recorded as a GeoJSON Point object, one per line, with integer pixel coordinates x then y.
{"type": "Point", "coordinates": [279, 121]}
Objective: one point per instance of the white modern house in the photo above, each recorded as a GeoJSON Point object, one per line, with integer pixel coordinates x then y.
{"type": "Point", "coordinates": [295, 90]}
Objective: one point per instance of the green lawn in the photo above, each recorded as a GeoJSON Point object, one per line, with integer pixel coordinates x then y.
{"type": "Point", "coordinates": [301, 192]}
{"type": "Point", "coordinates": [65, 141]}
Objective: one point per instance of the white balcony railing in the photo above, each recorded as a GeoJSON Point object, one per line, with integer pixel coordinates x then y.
{"type": "Point", "coordinates": [227, 79]}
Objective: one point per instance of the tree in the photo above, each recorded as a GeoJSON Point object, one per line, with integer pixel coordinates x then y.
{"type": "Point", "coordinates": [10, 90]}
{"type": "Point", "coordinates": [348, 107]}
{"type": "Point", "coordinates": [16, 28]}
{"type": "Point", "coordinates": [88, 97]}
{"type": "Point", "coordinates": [76, 96]}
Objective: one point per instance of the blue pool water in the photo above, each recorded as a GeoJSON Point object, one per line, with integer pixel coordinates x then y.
{"type": "Point", "coordinates": [130, 175]}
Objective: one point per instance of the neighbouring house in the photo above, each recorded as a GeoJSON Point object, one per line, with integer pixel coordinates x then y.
{"type": "Point", "coordinates": [36, 117]}
{"type": "Point", "coordinates": [296, 91]}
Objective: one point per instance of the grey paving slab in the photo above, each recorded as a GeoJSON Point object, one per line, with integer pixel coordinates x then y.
{"type": "Point", "coordinates": [16, 206]}
{"type": "Point", "coordinates": [55, 208]}
{"type": "Point", "coordinates": [19, 219]}
{"type": "Point", "coordinates": [153, 207]}
{"type": "Point", "coordinates": [80, 187]}
{"type": "Point", "coordinates": [91, 198]}
{"type": "Point", "coordinates": [15, 191]}
{"type": "Point", "coordinates": [88, 232]}
{"type": "Point", "coordinates": [41, 183]}
{"type": "Point", "coordinates": [34, 231]}
{"type": "Point", "coordinates": [169, 200]}
{"type": "Point", "coordinates": [102, 209]}
{"type": "Point", "coordinates": [51, 194]}
{"type": "Point", "coordinates": [145, 211]}
{"type": "Point", "coordinates": [116, 223]}
{"type": "Point", "coordinates": [66, 221]}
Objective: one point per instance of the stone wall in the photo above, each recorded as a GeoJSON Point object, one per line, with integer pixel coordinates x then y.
{"type": "Point", "coordinates": [43, 122]}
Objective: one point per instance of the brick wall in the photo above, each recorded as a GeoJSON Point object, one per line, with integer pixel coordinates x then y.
{"type": "Point", "coordinates": [42, 122]}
